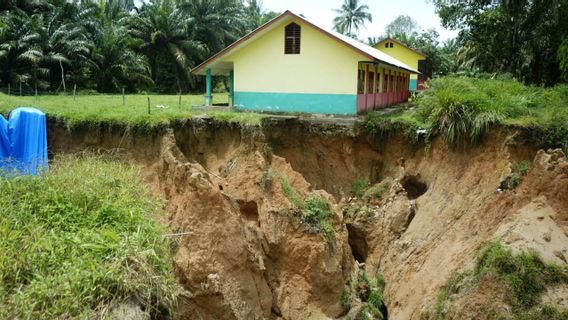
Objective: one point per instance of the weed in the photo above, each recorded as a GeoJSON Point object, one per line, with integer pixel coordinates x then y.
{"type": "Point", "coordinates": [516, 177]}
{"type": "Point", "coordinates": [359, 187]}
{"type": "Point", "coordinates": [371, 293]}
{"type": "Point", "coordinates": [525, 277]}
{"type": "Point", "coordinates": [80, 237]}
{"type": "Point", "coordinates": [346, 300]}
{"type": "Point", "coordinates": [525, 274]}
{"type": "Point", "coordinates": [377, 191]}
{"type": "Point", "coordinates": [290, 193]}
{"type": "Point", "coordinates": [267, 179]}
{"type": "Point", "coordinates": [524, 167]}
{"type": "Point", "coordinates": [315, 213]}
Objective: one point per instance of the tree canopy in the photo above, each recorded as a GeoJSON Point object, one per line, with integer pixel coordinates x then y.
{"type": "Point", "coordinates": [108, 45]}
{"type": "Point", "coordinates": [351, 16]}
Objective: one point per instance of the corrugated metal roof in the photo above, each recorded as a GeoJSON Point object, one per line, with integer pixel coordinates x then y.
{"type": "Point", "coordinates": [375, 53]}
{"type": "Point", "coordinates": [354, 44]}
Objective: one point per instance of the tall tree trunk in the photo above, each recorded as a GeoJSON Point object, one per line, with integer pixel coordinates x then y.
{"type": "Point", "coordinates": [62, 75]}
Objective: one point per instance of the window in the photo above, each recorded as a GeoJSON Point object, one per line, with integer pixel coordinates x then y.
{"type": "Point", "coordinates": [386, 83]}
{"type": "Point", "coordinates": [386, 44]}
{"type": "Point", "coordinates": [361, 82]}
{"type": "Point", "coordinates": [292, 39]}
{"type": "Point", "coordinates": [391, 45]}
{"type": "Point", "coordinates": [371, 83]}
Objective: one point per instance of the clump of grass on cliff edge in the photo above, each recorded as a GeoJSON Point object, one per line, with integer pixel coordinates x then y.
{"type": "Point", "coordinates": [461, 109]}
{"type": "Point", "coordinates": [524, 277]}
{"type": "Point", "coordinates": [79, 239]}
{"type": "Point", "coordinates": [314, 212]}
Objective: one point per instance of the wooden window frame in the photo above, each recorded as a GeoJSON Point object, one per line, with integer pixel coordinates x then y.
{"type": "Point", "coordinates": [292, 38]}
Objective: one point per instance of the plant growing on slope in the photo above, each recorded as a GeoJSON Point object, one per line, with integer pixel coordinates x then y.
{"type": "Point", "coordinates": [522, 279]}
{"type": "Point", "coordinates": [359, 187]}
{"type": "Point", "coordinates": [314, 213]}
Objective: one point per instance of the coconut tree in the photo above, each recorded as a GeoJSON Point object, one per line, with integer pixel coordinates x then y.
{"type": "Point", "coordinates": [351, 17]}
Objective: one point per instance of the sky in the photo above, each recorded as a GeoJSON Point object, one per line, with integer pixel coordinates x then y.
{"type": "Point", "coordinates": [383, 11]}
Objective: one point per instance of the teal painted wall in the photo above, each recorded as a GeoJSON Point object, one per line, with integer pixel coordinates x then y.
{"type": "Point", "coordinates": [297, 102]}
{"type": "Point", "coordinates": [413, 84]}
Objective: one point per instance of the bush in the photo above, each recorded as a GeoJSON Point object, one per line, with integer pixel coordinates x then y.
{"type": "Point", "coordinates": [315, 213]}
{"type": "Point", "coordinates": [523, 278]}
{"type": "Point", "coordinates": [79, 238]}
{"type": "Point", "coordinates": [377, 191]}
{"type": "Point", "coordinates": [461, 109]}
{"type": "Point", "coordinates": [359, 187]}
{"type": "Point", "coordinates": [525, 274]}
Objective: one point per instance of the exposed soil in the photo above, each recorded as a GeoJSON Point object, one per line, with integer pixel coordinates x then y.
{"type": "Point", "coordinates": [250, 257]}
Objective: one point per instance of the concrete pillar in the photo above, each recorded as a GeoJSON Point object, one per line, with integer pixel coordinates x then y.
{"type": "Point", "coordinates": [208, 96]}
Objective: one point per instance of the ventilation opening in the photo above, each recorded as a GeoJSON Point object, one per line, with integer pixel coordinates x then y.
{"type": "Point", "coordinates": [414, 187]}
{"type": "Point", "coordinates": [249, 209]}
{"type": "Point", "coordinates": [358, 244]}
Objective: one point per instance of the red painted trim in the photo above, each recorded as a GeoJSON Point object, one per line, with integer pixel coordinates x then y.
{"type": "Point", "coordinates": [366, 85]}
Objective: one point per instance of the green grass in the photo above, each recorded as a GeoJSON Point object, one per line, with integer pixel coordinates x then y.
{"type": "Point", "coordinates": [359, 187]}
{"type": "Point", "coordinates": [461, 109]}
{"type": "Point", "coordinates": [371, 293]}
{"type": "Point", "coordinates": [108, 108]}
{"type": "Point", "coordinates": [79, 238]}
{"type": "Point", "coordinates": [524, 277]}
{"type": "Point", "coordinates": [314, 212]}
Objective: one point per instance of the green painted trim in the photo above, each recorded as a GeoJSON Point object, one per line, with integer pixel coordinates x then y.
{"type": "Point", "coordinates": [341, 104]}
{"type": "Point", "coordinates": [208, 96]}
{"type": "Point", "coordinates": [413, 84]}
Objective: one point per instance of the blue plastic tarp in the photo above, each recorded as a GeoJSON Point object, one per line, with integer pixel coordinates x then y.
{"type": "Point", "coordinates": [23, 141]}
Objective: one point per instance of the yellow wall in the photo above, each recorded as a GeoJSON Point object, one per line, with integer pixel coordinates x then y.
{"type": "Point", "coordinates": [323, 65]}
{"type": "Point", "coordinates": [402, 54]}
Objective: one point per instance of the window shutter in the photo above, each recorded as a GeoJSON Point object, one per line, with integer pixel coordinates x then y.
{"type": "Point", "coordinates": [292, 39]}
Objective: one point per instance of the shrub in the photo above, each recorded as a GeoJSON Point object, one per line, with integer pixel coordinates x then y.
{"type": "Point", "coordinates": [359, 187]}
{"type": "Point", "coordinates": [377, 191]}
{"type": "Point", "coordinates": [315, 213]}
{"type": "Point", "coordinates": [79, 238]}
{"type": "Point", "coordinates": [525, 274]}
{"type": "Point", "coordinates": [290, 193]}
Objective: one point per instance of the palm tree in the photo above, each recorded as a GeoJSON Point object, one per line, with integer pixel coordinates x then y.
{"type": "Point", "coordinates": [351, 17]}
{"type": "Point", "coordinates": [162, 31]}
{"type": "Point", "coordinates": [115, 64]}
{"type": "Point", "coordinates": [215, 23]}
{"type": "Point", "coordinates": [19, 51]}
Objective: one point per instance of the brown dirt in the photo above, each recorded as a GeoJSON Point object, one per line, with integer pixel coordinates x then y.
{"type": "Point", "coordinates": [250, 258]}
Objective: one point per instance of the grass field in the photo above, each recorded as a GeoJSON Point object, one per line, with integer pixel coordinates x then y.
{"type": "Point", "coordinates": [79, 239]}
{"type": "Point", "coordinates": [97, 108]}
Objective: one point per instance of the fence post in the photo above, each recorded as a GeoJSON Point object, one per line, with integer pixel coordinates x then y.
{"type": "Point", "coordinates": [74, 91]}
{"type": "Point", "coordinates": [36, 91]}
{"type": "Point", "coordinates": [8, 88]}
{"type": "Point", "coordinates": [122, 96]}
{"type": "Point", "coordinates": [20, 87]}
{"type": "Point", "coordinates": [148, 105]}
{"type": "Point", "coordinates": [179, 102]}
